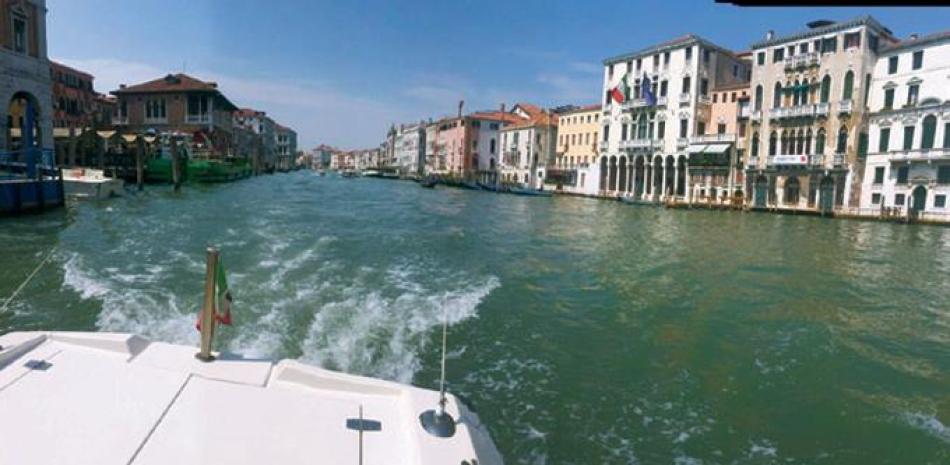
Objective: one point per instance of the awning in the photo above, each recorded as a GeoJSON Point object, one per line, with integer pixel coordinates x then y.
{"type": "Point", "coordinates": [130, 138]}
{"type": "Point", "coordinates": [106, 134]}
{"type": "Point", "coordinates": [717, 148]}
{"type": "Point", "coordinates": [698, 148]}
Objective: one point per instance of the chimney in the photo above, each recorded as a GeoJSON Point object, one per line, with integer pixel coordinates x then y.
{"type": "Point", "coordinates": [914, 36]}
{"type": "Point", "coordinates": [122, 86]}
{"type": "Point", "coordinates": [769, 35]}
{"type": "Point", "coordinates": [213, 84]}
{"type": "Point", "coordinates": [461, 104]}
{"type": "Point", "coordinates": [503, 108]}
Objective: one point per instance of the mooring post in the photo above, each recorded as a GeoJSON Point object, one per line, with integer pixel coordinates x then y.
{"type": "Point", "coordinates": [139, 154]}
{"type": "Point", "coordinates": [207, 310]}
{"type": "Point", "coordinates": [176, 169]}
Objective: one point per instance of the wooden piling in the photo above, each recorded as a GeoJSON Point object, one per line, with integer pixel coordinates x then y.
{"type": "Point", "coordinates": [139, 168]}
{"type": "Point", "coordinates": [176, 168]}
{"type": "Point", "coordinates": [207, 311]}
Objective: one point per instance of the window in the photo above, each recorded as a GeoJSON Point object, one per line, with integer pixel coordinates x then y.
{"type": "Point", "coordinates": [892, 64]}
{"type": "Point", "coordinates": [825, 89]}
{"type": "Point", "coordinates": [686, 84]}
{"type": "Point", "coordinates": [663, 86]}
{"type": "Point", "coordinates": [757, 105]}
{"type": "Point", "coordinates": [735, 71]}
{"type": "Point", "coordinates": [842, 140]}
{"type": "Point", "coordinates": [848, 86]}
{"type": "Point", "coordinates": [803, 48]}
{"type": "Point", "coordinates": [791, 50]}
{"type": "Point", "coordinates": [898, 200]}
{"type": "Point", "coordinates": [773, 143]}
{"type": "Point", "coordinates": [908, 137]}
{"type": "Point", "coordinates": [755, 145]}
{"type": "Point", "coordinates": [155, 109]}
{"type": "Point", "coordinates": [879, 175]}
{"type": "Point", "coordinates": [852, 40]}
{"type": "Point", "coordinates": [683, 126]}
{"type": "Point", "coordinates": [656, 61]}
{"type": "Point", "coordinates": [700, 127]}
{"type": "Point", "coordinates": [940, 201]}
{"type": "Point", "coordinates": [943, 174]}
{"type": "Point", "coordinates": [876, 198]}
{"type": "Point", "coordinates": [666, 58]}
{"type": "Point", "coordinates": [741, 129]}
{"type": "Point", "coordinates": [829, 45]}
{"type": "Point", "coordinates": [623, 131]}
{"type": "Point", "coordinates": [706, 55]}
{"type": "Point", "coordinates": [660, 129]}
{"type": "Point", "coordinates": [872, 42]}
{"type": "Point", "coordinates": [888, 98]}
{"type": "Point", "coordinates": [606, 133]}
{"type": "Point", "coordinates": [946, 135]}
{"type": "Point", "coordinates": [930, 132]}
{"type": "Point", "coordinates": [867, 88]}
{"type": "Point", "coordinates": [703, 86]}
{"type": "Point", "coordinates": [760, 58]}
{"type": "Point", "coordinates": [610, 71]}
{"type": "Point", "coordinates": [721, 128]}
{"type": "Point", "coordinates": [913, 91]}
{"type": "Point", "coordinates": [777, 95]}
{"type": "Point", "coordinates": [639, 63]}
{"type": "Point", "coordinates": [19, 34]}
{"type": "Point", "coordinates": [197, 105]}
{"type": "Point", "coordinates": [918, 59]}
{"type": "Point", "coordinates": [902, 174]}
{"type": "Point", "coordinates": [714, 97]}
{"type": "Point", "coordinates": [778, 54]}
{"type": "Point", "coordinates": [733, 96]}
{"type": "Point", "coordinates": [885, 139]}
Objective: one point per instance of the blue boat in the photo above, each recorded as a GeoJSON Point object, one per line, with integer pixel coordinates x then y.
{"type": "Point", "coordinates": [529, 191]}
{"type": "Point", "coordinates": [29, 182]}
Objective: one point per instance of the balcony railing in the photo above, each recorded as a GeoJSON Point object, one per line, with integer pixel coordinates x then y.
{"type": "Point", "coordinates": [704, 100]}
{"type": "Point", "coordinates": [802, 61]}
{"type": "Point", "coordinates": [800, 111]}
{"type": "Point", "coordinates": [933, 154]}
{"type": "Point", "coordinates": [682, 141]}
{"type": "Point", "coordinates": [821, 109]}
{"type": "Point", "coordinates": [640, 144]}
{"type": "Point", "coordinates": [756, 116]}
{"type": "Point", "coordinates": [684, 97]}
{"type": "Point", "coordinates": [745, 111]}
{"type": "Point", "coordinates": [708, 138]}
{"type": "Point", "coordinates": [753, 162]}
{"type": "Point", "coordinates": [845, 106]}
{"type": "Point", "coordinates": [198, 119]}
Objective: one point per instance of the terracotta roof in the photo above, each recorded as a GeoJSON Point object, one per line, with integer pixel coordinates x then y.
{"type": "Point", "coordinates": [496, 116]}
{"type": "Point", "coordinates": [540, 119]}
{"type": "Point", "coordinates": [529, 108]}
{"type": "Point", "coordinates": [62, 67]}
{"type": "Point", "coordinates": [171, 83]}
{"type": "Point", "coordinates": [249, 112]}
{"type": "Point", "coordinates": [922, 40]}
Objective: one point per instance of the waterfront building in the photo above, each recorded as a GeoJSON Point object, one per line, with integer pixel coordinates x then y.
{"type": "Point", "coordinates": [433, 164]}
{"type": "Point", "coordinates": [908, 161]}
{"type": "Point", "coordinates": [485, 150]}
{"type": "Point", "coordinates": [286, 147]}
{"type": "Point", "coordinates": [265, 146]}
{"type": "Point", "coordinates": [29, 179]}
{"type": "Point", "coordinates": [323, 156]}
{"type": "Point", "coordinates": [409, 149]}
{"type": "Point", "coordinates": [809, 117]}
{"type": "Point", "coordinates": [528, 146]}
{"type": "Point", "coordinates": [455, 137]}
{"type": "Point", "coordinates": [578, 133]}
{"type": "Point", "coordinates": [715, 158]}
{"type": "Point", "coordinates": [655, 99]}
{"type": "Point", "coordinates": [179, 104]}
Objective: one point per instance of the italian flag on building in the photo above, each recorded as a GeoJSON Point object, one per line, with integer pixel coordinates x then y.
{"type": "Point", "coordinates": [222, 311]}
{"type": "Point", "coordinates": [622, 90]}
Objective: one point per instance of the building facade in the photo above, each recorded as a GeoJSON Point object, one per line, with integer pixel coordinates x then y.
{"type": "Point", "coordinates": [26, 112]}
{"type": "Point", "coordinates": [528, 149]}
{"type": "Point", "coordinates": [179, 104]}
{"type": "Point", "coordinates": [264, 146]}
{"type": "Point", "coordinates": [410, 148]}
{"type": "Point", "coordinates": [648, 123]}
{"type": "Point", "coordinates": [715, 157]}
{"type": "Point", "coordinates": [908, 162]}
{"type": "Point", "coordinates": [578, 133]}
{"type": "Point", "coordinates": [286, 147]}
{"type": "Point", "coordinates": [808, 117]}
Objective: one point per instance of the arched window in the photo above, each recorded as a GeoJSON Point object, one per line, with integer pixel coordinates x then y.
{"type": "Point", "coordinates": [800, 143]}
{"type": "Point", "coordinates": [777, 96]}
{"type": "Point", "coordinates": [808, 142]}
{"type": "Point", "coordinates": [755, 145]}
{"type": "Point", "coordinates": [825, 89]}
{"type": "Point", "coordinates": [758, 97]}
{"type": "Point", "coordinates": [642, 127]}
{"type": "Point", "coordinates": [806, 87]}
{"type": "Point", "coordinates": [796, 93]}
{"type": "Point", "coordinates": [785, 150]}
{"type": "Point", "coordinates": [820, 142]}
{"type": "Point", "coordinates": [848, 86]}
{"type": "Point", "coordinates": [842, 140]}
{"type": "Point", "coordinates": [772, 142]}
{"type": "Point", "coordinates": [930, 130]}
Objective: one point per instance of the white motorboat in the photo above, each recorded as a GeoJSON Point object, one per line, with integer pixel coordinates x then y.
{"type": "Point", "coordinates": [90, 183]}
{"type": "Point", "coordinates": [108, 398]}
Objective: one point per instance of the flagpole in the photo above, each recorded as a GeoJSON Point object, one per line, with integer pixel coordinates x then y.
{"type": "Point", "coordinates": [207, 311]}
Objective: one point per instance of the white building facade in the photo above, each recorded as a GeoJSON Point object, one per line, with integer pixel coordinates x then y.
{"type": "Point", "coordinates": [908, 162]}
{"type": "Point", "coordinates": [410, 149]}
{"type": "Point", "coordinates": [643, 150]}
{"type": "Point", "coordinates": [527, 149]}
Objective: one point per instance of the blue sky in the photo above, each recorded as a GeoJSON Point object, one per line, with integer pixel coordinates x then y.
{"type": "Point", "coordinates": [340, 72]}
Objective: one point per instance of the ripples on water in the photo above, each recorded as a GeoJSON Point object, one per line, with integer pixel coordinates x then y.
{"type": "Point", "coordinates": [583, 331]}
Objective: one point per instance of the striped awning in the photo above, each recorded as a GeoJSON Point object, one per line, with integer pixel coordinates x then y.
{"type": "Point", "coordinates": [717, 148]}
{"type": "Point", "coordinates": [696, 148]}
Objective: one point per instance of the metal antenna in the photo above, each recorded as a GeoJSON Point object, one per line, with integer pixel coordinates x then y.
{"type": "Point", "coordinates": [440, 423]}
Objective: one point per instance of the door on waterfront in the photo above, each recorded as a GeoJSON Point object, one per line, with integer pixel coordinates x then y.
{"type": "Point", "coordinates": [918, 199]}
{"type": "Point", "coordinates": [761, 191]}
{"type": "Point", "coordinates": [826, 194]}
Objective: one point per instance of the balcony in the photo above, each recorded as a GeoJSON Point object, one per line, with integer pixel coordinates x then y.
{"type": "Point", "coordinates": [634, 103]}
{"type": "Point", "coordinates": [838, 159]}
{"type": "Point", "coordinates": [845, 106]}
{"type": "Point", "coordinates": [661, 101]}
{"type": "Point", "coordinates": [602, 148]}
{"type": "Point", "coordinates": [756, 116]}
{"type": "Point", "coordinates": [800, 111]}
{"type": "Point", "coordinates": [753, 162]}
{"type": "Point", "coordinates": [745, 112]}
{"type": "Point", "coordinates": [684, 98]}
{"type": "Point", "coordinates": [704, 100]}
{"type": "Point", "coordinates": [821, 109]}
{"type": "Point", "coordinates": [204, 118]}
{"type": "Point", "coordinates": [640, 144]}
{"type": "Point", "coordinates": [713, 138]}
{"type": "Point", "coordinates": [925, 155]}
{"type": "Point", "coordinates": [798, 62]}
{"type": "Point", "coordinates": [682, 141]}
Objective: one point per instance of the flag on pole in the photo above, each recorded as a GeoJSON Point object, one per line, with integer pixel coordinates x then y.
{"type": "Point", "coordinates": [222, 305]}
{"type": "Point", "coordinates": [647, 90]}
{"type": "Point", "coordinates": [621, 92]}
{"type": "Point", "coordinates": [222, 311]}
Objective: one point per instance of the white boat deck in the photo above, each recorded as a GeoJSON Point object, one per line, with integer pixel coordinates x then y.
{"type": "Point", "coordinates": [97, 398]}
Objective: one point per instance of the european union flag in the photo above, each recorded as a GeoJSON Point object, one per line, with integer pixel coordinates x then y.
{"type": "Point", "coordinates": [646, 89]}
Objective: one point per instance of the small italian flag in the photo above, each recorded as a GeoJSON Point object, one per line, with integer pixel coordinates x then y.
{"type": "Point", "coordinates": [620, 92]}
{"type": "Point", "coordinates": [222, 311]}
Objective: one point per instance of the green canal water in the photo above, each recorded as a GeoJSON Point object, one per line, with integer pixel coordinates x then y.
{"type": "Point", "coordinates": [582, 331]}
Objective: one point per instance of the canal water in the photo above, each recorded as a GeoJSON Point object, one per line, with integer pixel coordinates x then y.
{"type": "Point", "coordinates": [582, 331]}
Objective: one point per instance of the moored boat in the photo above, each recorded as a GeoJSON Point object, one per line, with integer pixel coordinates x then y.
{"type": "Point", "coordinates": [529, 191]}
{"type": "Point", "coordinates": [636, 201]}
{"type": "Point", "coordinates": [90, 183]}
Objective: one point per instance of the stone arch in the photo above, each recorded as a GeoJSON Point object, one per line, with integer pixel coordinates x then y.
{"type": "Point", "coordinates": [603, 173]}
{"type": "Point", "coordinates": [622, 172]}
{"type": "Point", "coordinates": [638, 172]}
{"type": "Point", "coordinates": [669, 172]}
{"type": "Point", "coordinates": [612, 177]}
{"type": "Point", "coordinates": [792, 191]}
{"type": "Point", "coordinates": [681, 176]}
